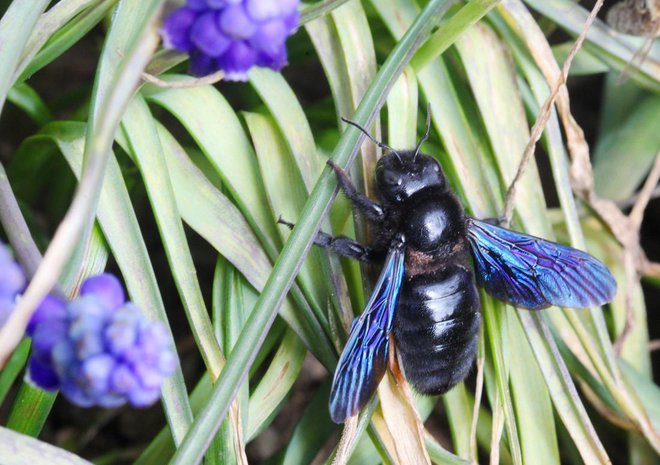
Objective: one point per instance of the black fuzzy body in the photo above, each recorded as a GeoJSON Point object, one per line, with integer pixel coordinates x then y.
{"type": "Point", "coordinates": [437, 319]}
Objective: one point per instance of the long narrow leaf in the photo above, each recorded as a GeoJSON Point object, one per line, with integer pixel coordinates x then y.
{"type": "Point", "coordinates": [216, 219]}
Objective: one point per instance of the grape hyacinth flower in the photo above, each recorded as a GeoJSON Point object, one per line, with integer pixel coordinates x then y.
{"type": "Point", "coordinates": [98, 349]}
{"type": "Point", "coordinates": [232, 35]}
{"type": "Point", "coordinates": [12, 283]}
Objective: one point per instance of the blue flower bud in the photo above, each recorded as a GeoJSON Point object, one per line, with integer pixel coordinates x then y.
{"type": "Point", "coordinates": [232, 35]}
{"type": "Point", "coordinates": [12, 283]}
{"type": "Point", "coordinates": [99, 349]}
{"type": "Point", "coordinates": [105, 287]}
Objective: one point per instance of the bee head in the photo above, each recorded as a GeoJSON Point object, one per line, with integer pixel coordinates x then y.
{"type": "Point", "coordinates": [399, 175]}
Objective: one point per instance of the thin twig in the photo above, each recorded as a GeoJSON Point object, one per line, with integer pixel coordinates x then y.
{"type": "Point", "coordinates": [630, 201]}
{"type": "Point", "coordinates": [188, 83]}
{"type": "Point", "coordinates": [637, 213]}
{"type": "Point", "coordinates": [654, 345]}
{"type": "Point", "coordinates": [649, 269]}
{"type": "Point", "coordinates": [631, 278]}
{"type": "Point", "coordinates": [633, 254]}
{"type": "Point", "coordinates": [544, 116]}
{"type": "Point", "coordinates": [641, 54]}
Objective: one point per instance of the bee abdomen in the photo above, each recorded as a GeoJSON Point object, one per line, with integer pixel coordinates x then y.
{"type": "Point", "coordinates": [436, 328]}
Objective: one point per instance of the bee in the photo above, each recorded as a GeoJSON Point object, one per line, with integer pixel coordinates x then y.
{"type": "Point", "coordinates": [434, 257]}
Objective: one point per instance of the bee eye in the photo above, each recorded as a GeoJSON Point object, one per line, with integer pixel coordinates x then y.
{"type": "Point", "coordinates": [392, 179]}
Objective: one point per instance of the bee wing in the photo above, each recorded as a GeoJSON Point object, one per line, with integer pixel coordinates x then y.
{"type": "Point", "coordinates": [533, 273]}
{"type": "Point", "coordinates": [364, 359]}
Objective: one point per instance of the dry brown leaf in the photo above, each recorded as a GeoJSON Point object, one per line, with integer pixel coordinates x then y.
{"type": "Point", "coordinates": [401, 418]}
{"type": "Point", "coordinates": [186, 84]}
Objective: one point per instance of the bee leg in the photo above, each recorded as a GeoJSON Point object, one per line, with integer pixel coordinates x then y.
{"type": "Point", "coordinates": [341, 245]}
{"type": "Point", "coordinates": [371, 209]}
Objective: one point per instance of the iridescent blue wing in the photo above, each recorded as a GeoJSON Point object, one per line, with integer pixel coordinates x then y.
{"type": "Point", "coordinates": [364, 360]}
{"type": "Point", "coordinates": [533, 273]}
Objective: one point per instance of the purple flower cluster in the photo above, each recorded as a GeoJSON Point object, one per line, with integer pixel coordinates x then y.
{"type": "Point", "coordinates": [232, 35]}
{"type": "Point", "coordinates": [99, 349]}
{"type": "Point", "coordinates": [12, 282]}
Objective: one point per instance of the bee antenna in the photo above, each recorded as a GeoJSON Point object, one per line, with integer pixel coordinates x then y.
{"type": "Point", "coordinates": [378, 143]}
{"type": "Point", "coordinates": [426, 133]}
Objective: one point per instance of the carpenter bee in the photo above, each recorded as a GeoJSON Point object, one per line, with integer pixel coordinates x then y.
{"type": "Point", "coordinates": [434, 257]}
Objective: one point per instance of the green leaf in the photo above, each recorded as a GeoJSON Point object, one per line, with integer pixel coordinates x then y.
{"type": "Point", "coordinates": [564, 395]}
{"type": "Point", "coordinates": [318, 9]}
{"type": "Point", "coordinates": [449, 32]}
{"type": "Point", "coordinates": [57, 30]}
{"type": "Point", "coordinates": [330, 50]}
{"type": "Point", "coordinates": [312, 431]}
{"type": "Point", "coordinates": [28, 100]}
{"type": "Point", "coordinates": [229, 314]}
{"type": "Point", "coordinates": [17, 449]}
{"type": "Point", "coordinates": [14, 366]}
{"type": "Point", "coordinates": [15, 27]}
{"type": "Point", "coordinates": [648, 391]}
{"type": "Point", "coordinates": [584, 63]}
{"type": "Point", "coordinates": [286, 193]}
{"type": "Point", "coordinates": [218, 221]}
{"type": "Point", "coordinates": [325, 37]}
{"type": "Point", "coordinates": [295, 130]}
{"type": "Point", "coordinates": [275, 385]}
{"type": "Point", "coordinates": [147, 152]}
{"type": "Point", "coordinates": [440, 455]}
{"type": "Point", "coordinates": [30, 410]}
{"type": "Point", "coordinates": [632, 147]}
{"type": "Point", "coordinates": [496, 327]}
{"type": "Point", "coordinates": [211, 121]}
{"type": "Point", "coordinates": [402, 111]}
{"type": "Point", "coordinates": [291, 121]}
